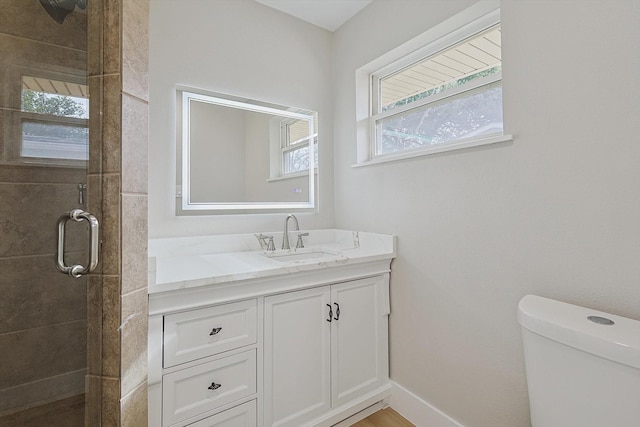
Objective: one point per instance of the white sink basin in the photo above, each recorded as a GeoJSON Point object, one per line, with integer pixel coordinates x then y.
{"type": "Point", "coordinates": [306, 255]}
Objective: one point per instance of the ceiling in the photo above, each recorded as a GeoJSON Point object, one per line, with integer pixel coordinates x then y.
{"type": "Point", "coordinates": [328, 14]}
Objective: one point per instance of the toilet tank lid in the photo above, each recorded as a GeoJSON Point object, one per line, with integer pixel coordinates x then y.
{"type": "Point", "coordinates": [569, 325]}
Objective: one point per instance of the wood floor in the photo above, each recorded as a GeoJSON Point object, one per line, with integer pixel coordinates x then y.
{"type": "Point", "coordinates": [384, 418]}
{"type": "Point", "coordinates": [69, 413]}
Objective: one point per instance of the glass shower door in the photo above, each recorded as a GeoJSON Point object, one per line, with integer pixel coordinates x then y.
{"type": "Point", "coordinates": [44, 128]}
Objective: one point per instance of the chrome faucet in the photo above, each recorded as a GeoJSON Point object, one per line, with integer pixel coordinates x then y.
{"type": "Point", "coordinates": [285, 236]}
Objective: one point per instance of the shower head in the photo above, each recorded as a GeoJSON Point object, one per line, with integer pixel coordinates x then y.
{"type": "Point", "coordinates": [59, 9]}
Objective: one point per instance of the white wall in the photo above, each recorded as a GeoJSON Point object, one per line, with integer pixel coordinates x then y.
{"type": "Point", "coordinates": [555, 213]}
{"type": "Point", "coordinates": [216, 149]}
{"type": "Point", "coordinates": [242, 48]}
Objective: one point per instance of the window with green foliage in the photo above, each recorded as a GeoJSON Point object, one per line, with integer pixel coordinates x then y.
{"type": "Point", "coordinates": [448, 92]}
{"type": "Point", "coordinates": [54, 121]}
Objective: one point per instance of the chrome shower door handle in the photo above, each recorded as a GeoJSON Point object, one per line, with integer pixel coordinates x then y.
{"type": "Point", "coordinates": [94, 242]}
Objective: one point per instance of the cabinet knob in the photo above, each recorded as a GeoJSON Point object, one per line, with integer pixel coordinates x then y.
{"type": "Point", "coordinates": [214, 386]}
{"type": "Point", "coordinates": [215, 331]}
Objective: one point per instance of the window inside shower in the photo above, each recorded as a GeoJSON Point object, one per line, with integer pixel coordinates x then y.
{"type": "Point", "coordinates": [54, 120]}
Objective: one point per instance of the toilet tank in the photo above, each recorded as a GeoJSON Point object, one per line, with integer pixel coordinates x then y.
{"type": "Point", "coordinates": [582, 365]}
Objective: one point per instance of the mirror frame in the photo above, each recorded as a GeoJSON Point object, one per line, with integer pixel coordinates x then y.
{"type": "Point", "coordinates": [188, 207]}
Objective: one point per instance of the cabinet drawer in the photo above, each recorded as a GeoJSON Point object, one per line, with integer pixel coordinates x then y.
{"type": "Point", "coordinates": [205, 387]}
{"type": "Point", "coordinates": [200, 333]}
{"type": "Point", "coordinates": [241, 416]}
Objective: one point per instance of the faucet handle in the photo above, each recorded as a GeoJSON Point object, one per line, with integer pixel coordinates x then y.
{"type": "Point", "coordinates": [270, 245]}
{"type": "Point", "coordinates": [266, 242]}
{"type": "Point", "coordinates": [300, 243]}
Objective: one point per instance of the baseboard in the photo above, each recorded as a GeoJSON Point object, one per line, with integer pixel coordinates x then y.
{"type": "Point", "coordinates": [418, 411]}
{"type": "Point", "coordinates": [362, 403]}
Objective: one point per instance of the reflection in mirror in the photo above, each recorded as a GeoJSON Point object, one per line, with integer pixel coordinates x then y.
{"type": "Point", "coordinates": [240, 155]}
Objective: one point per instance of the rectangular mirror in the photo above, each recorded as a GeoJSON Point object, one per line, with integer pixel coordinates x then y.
{"type": "Point", "coordinates": [245, 156]}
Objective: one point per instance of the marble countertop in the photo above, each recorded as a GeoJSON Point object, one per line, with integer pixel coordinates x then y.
{"type": "Point", "coordinates": [187, 262]}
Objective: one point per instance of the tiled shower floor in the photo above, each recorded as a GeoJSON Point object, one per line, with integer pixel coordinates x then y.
{"type": "Point", "coordinates": [62, 413]}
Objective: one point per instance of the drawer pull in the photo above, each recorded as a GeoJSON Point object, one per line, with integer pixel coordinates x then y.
{"type": "Point", "coordinates": [214, 386]}
{"type": "Point", "coordinates": [215, 331]}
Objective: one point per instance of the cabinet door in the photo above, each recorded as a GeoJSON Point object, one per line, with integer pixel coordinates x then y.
{"type": "Point", "coordinates": [358, 338]}
{"type": "Point", "coordinates": [296, 357]}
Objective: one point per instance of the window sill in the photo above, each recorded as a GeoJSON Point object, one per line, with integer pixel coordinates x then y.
{"type": "Point", "coordinates": [468, 143]}
{"type": "Point", "coordinates": [292, 175]}
{"type": "Point", "coordinates": [45, 163]}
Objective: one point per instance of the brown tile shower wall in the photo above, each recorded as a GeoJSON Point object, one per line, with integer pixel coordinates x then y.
{"type": "Point", "coordinates": [118, 58]}
{"type": "Point", "coordinates": [42, 313]}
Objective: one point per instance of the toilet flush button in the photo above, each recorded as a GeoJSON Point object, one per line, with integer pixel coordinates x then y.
{"type": "Point", "coordinates": [601, 320]}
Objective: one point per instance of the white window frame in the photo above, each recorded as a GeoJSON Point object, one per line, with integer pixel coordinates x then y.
{"type": "Point", "coordinates": [471, 21]}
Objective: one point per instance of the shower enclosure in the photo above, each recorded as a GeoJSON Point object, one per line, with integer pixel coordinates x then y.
{"type": "Point", "coordinates": [73, 139]}
{"type": "Point", "coordinates": [45, 117]}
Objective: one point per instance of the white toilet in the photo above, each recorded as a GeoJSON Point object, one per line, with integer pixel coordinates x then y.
{"type": "Point", "coordinates": [583, 366]}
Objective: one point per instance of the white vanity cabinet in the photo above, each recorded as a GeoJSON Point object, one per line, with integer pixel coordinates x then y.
{"type": "Point", "coordinates": [323, 347]}
{"type": "Point", "coordinates": [308, 350]}
{"type": "Point", "coordinates": [239, 339]}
